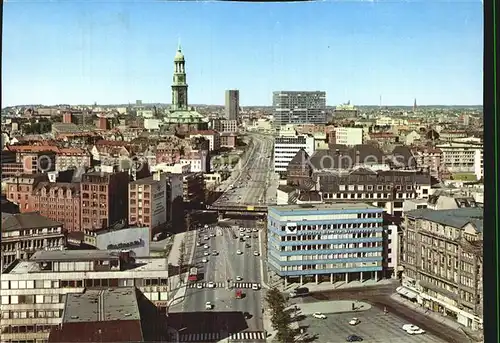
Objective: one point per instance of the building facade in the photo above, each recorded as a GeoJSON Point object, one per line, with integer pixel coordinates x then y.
{"type": "Point", "coordinates": [25, 233]}
{"type": "Point", "coordinates": [34, 291]}
{"type": "Point", "coordinates": [443, 260]}
{"type": "Point", "coordinates": [147, 202]}
{"type": "Point", "coordinates": [299, 107]}
{"type": "Point", "coordinates": [335, 242]}
{"type": "Point", "coordinates": [59, 201]}
{"type": "Point", "coordinates": [232, 109]}
{"type": "Point", "coordinates": [103, 199]}
{"type": "Point", "coordinates": [348, 136]}
{"type": "Point", "coordinates": [285, 149]}
{"type": "Point", "coordinates": [19, 189]}
{"type": "Point", "coordinates": [463, 157]}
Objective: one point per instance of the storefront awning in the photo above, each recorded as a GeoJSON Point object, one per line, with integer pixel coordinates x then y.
{"type": "Point", "coordinates": [407, 293]}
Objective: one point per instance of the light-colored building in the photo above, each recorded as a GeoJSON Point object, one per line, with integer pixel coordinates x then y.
{"type": "Point", "coordinates": [443, 262]}
{"type": "Point", "coordinates": [34, 291]}
{"type": "Point", "coordinates": [348, 135]}
{"type": "Point", "coordinates": [465, 157]}
{"type": "Point", "coordinates": [152, 124]}
{"type": "Point", "coordinates": [212, 136]}
{"type": "Point", "coordinates": [147, 201]}
{"type": "Point", "coordinates": [285, 149]}
{"type": "Point", "coordinates": [25, 233]}
{"type": "Point", "coordinates": [72, 157]}
{"type": "Point", "coordinates": [319, 242]}
{"type": "Point", "coordinates": [299, 107]}
{"type": "Point", "coordinates": [136, 239]}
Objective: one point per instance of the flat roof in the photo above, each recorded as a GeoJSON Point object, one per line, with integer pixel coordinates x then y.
{"type": "Point", "coordinates": [151, 264]}
{"type": "Point", "coordinates": [74, 255]}
{"type": "Point", "coordinates": [323, 207]}
{"type": "Point", "coordinates": [97, 305]}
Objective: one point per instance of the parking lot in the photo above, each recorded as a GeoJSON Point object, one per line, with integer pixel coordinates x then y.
{"type": "Point", "coordinates": [375, 326]}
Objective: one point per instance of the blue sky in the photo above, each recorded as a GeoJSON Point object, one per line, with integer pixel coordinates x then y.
{"type": "Point", "coordinates": [119, 51]}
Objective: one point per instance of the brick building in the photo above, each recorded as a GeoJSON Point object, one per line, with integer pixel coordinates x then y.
{"type": "Point", "coordinates": [59, 201]}
{"type": "Point", "coordinates": [103, 199]}
{"type": "Point", "coordinates": [19, 189]}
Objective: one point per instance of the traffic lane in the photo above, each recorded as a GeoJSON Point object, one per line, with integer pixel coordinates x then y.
{"type": "Point", "coordinates": [252, 303]}
{"type": "Point", "coordinates": [379, 297]}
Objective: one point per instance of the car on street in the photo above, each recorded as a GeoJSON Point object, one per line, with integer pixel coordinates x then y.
{"type": "Point", "coordinates": [239, 278]}
{"type": "Point", "coordinates": [211, 284]}
{"type": "Point", "coordinates": [254, 230]}
{"type": "Point", "coordinates": [354, 321]}
{"type": "Point", "coordinates": [247, 315]}
{"type": "Point", "coordinates": [212, 235]}
{"type": "Point", "coordinates": [206, 246]}
{"type": "Point", "coordinates": [198, 243]}
{"type": "Point", "coordinates": [199, 285]}
{"type": "Point", "coordinates": [413, 329]}
{"type": "Point", "coordinates": [206, 238]}
{"type": "Point", "coordinates": [319, 315]}
{"type": "Point", "coordinates": [354, 338]}
{"type": "Point", "coordinates": [205, 253]}
{"type": "Point", "coordinates": [247, 236]}
{"type": "Point", "coordinates": [255, 286]}
{"type": "Point", "coordinates": [208, 305]}
{"type": "Point", "coordinates": [239, 252]}
{"type": "Point", "coordinates": [205, 260]}
{"type": "Point", "coordinates": [256, 253]}
{"type": "Point", "coordinates": [248, 245]}
{"type": "Point", "coordinates": [215, 253]}
{"type": "Point", "coordinates": [242, 229]}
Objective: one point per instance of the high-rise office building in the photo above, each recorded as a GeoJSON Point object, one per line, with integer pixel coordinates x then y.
{"type": "Point", "coordinates": [297, 107]}
{"type": "Point", "coordinates": [232, 109]}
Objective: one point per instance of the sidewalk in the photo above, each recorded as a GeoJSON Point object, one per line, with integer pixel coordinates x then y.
{"type": "Point", "coordinates": [473, 335]}
{"type": "Point", "coordinates": [178, 282]}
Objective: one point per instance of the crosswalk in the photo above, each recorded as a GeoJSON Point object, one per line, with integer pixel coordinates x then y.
{"type": "Point", "coordinates": [243, 284]}
{"type": "Point", "coordinates": [205, 284]}
{"type": "Point", "coordinates": [216, 336]}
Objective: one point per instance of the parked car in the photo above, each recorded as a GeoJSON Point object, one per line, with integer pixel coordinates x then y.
{"type": "Point", "coordinates": [208, 305]}
{"type": "Point", "coordinates": [319, 315]}
{"type": "Point", "coordinates": [354, 321]}
{"type": "Point", "coordinates": [354, 338]}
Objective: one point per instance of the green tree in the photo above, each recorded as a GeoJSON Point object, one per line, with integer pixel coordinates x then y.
{"type": "Point", "coordinates": [281, 318]}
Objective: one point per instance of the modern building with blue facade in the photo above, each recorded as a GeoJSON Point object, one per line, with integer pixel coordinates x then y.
{"type": "Point", "coordinates": [325, 242]}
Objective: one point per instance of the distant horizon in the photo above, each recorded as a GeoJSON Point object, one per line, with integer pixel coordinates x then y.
{"type": "Point", "coordinates": [106, 52]}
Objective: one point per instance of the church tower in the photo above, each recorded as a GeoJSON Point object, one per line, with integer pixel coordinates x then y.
{"type": "Point", "coordinates": [179, 85]}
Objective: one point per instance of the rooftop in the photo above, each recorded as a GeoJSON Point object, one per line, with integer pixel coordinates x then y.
{"type": "Point", "coordinates": [456, 218]}
{"type": "Point", "coordinates": [30, 220]}
{"type": "Point", "coordinates": [323, 207]}
{"type": "Point", "coordinates": [141, 264]}
{"type": "Point", "coordinates": [101, 305]}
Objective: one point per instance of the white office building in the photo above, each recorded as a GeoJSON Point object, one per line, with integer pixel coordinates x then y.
{"type": "Point", "coordinates": [464, 156]}
{"type": "Point", "coordinates": [348, 135]}
{"type": "Point", "coordinates": [285, 149]}
{"type": "Point", "coordinates": [33, 292]}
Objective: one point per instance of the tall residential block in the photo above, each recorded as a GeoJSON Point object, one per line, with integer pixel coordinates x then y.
{"type": "Point", "coordinates": [298, 107]}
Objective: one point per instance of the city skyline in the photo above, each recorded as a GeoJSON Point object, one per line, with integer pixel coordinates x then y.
{"type": "Point", "coordinates": [116, 53]}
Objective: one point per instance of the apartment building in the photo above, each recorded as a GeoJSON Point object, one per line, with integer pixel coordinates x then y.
{"type": "Point", "coordinates": [30, 163]}
{"type": "Point", "coordinates": [59, 201]}
{"type": "Point", "coordinates": [228, 140]}
{"type": "Point", "coordinates": [103, 199]}
{"type": "Point", "coordinates": [347, 136]}
{"type": "Point", "coordinates": [299, 107]}
{"type": "Point", "coordinates": [443, 261]}
{"type": "Point", "coordinates": [222, 125]}
{"type": "Point", "coordinates": [213, 138]}
{"type": "Point", "coordinates": [325, 242]}
{"type": "Point", "coordinates": [285, 149]}
{"type": "Point", "coordinates": [193, 189]}
{"type": "Point", "coordinates": [34, 291]}
{"type": "Point", "coordinates": [147, 202]}
{"type": "Point", "coordinates": [20, 187]}
{"type": "Point", "coordinates": [72, 157]}
{"type": "Point", "coordinates": [25, 233]}
{"type": "Point", "coordinates": [428, 159]}
{"type": "Point", "coordinates": [385, 189]}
